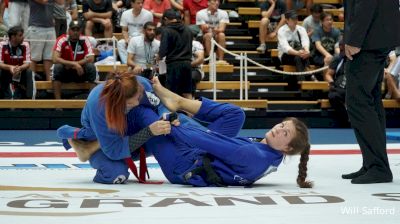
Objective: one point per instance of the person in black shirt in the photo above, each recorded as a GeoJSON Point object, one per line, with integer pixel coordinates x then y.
{"type": "Point", "coordinates": [176, 46]}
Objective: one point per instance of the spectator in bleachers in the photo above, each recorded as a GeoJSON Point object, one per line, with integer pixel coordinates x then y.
{"type": "Point", "coordinates": [157, 8]}
{"type": "Point", "coordinates": [18, 11]}
{"type": "Point", "coordinates": [72, 10]}
{"type": "Point", "coordinates": [41, 31]}
{"type": "Point", "coordinates": [132, 22]}
{"type": "Point", "coordinates": [197, 61]}
{"type": "Point", "coordinates": [14, 66]}
{"type": "Point", "coordinates": [313, 21]}
{"type": "Point", "coordinates": [299, 4]}
{"type": "Point", "coordinates": [177, 4]}
{"type": "Point", "coordinates": [190, 9]}
{"type": "Point", "coordinates": [326, 40]}
{"type": "Point", "coordinates": [60, 17]}
{"type": "Point", "coordinates": [177, 51]}
{"type": "Point", "coordinates": [98, 12]}
{"type": "Point", "coordinates": [293, 43]}
{"type": "Point", "coordinates": [73, 59]}
{"type": "Point", "coordinates": [293, 46]}
{"type": "Point", "coordinates": [3, 27]}
{"type": "Point", "coordinates": [119, 7]}
{"type": "Point", "coordinates": [64, 12]}
{"type": "Point", "coordinates": [212, 22]}
{"type": "Point", "coordinates": [335, 76]}
{"type": "Point", "coordinates": [273, 17]}
{"type": "Point", "coordinates": [392, 72]}
{"type": "Point", "coordinates": [143, 50]}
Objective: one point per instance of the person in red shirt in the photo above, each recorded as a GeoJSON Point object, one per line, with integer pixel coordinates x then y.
{"type": "Point", "coordinates": [190, 9]}
{"type": "Point", "coordinates": [157, 8]}
{"type": "Point", "coordinates": [73, 59]}
{"type": "Point", "coordinates": [14, 66]}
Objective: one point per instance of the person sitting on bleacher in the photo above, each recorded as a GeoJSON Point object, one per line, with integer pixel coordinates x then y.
{"type": "Point", "coordinates": [197, 62]}
{"type": "Point", "coordinates": [14, 66]}
{"type": "Point", "coordinates": [98, 12]}
{"type": "Point", "coordinates": [132, 22]}
{"type": "Point", "coordinates": [190, 9]}
{"type": "Point", "coordinates": [177, 4]}
{"type": "Point", "coordinates": [142, 51]}
{"type": "Point", "coordinates": [293, 43]}
{"type": "Point", "coordinates": [335, 76]}
{"type": "Point", "coordinates": [392, 77]}
{"type": "Point", "coordinates": [313, 21]}
{"type": "Point", "coordinates": [293, 46]}
{"type": "Point", "coordinates": [73, 59]}
{"type": "Point", "coordinates": [157, 8]}
{"type": "Point", "coordinates": [299, 4]}
{"type": "Point", "coordinates": [273, 17]}
{"type": "Point", "coordinates": [326, 40]}
{"type": "Point", "coordinates": [212, 22]}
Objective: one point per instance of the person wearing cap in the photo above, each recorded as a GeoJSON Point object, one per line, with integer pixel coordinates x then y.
{"type": "Point", "coordinates": [371, 31]}
{"type": "Point", "coordinates": [212, 22]}
{"type": "Point", "coordinates": [293, 46]}
{"type": "Point", "coordinates": [176, 47]}
{"type": "Point", "coordinates": [14, 66]}
{"type": "Point", "coordinates": [73, 59]}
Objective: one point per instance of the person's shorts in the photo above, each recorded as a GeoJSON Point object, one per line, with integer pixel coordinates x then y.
{"type": "Point", "coordinates": [42, 40]}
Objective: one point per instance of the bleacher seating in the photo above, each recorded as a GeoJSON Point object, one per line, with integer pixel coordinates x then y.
{"type": "Point", "coordinates": [267, 90]}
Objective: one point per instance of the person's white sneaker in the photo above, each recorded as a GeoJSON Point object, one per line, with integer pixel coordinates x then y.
{"type": "Point", "coordinates": [262, 48]}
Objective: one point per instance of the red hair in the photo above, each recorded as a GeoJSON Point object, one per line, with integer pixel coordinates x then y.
{"type": "Point", "coordinates": [117, 90]}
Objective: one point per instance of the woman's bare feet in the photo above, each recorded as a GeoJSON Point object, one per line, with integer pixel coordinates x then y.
{"type": "Point", "coordinates": [169, 99]}
{"type": "Point", "coordinates": [84, 149]}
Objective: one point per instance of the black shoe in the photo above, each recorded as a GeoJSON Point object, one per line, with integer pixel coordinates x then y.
{"type": "Point", "coordinates": [372, 178]}
{"type": "Point", "coordinates": [362, 171]}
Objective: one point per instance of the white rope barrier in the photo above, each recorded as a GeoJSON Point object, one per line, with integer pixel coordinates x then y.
{"type": "Point", "coordinates": [267, 68]}
{"type": "Point", "coordinates": [243, 60]}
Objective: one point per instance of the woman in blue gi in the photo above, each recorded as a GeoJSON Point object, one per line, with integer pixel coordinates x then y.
{"type": "Point", "coordinates": [104, 118]}
{"type": "Point", "coordinates": [215, 156]}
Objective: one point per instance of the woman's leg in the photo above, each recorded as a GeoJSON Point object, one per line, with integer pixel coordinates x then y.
{"type": "Point", "coordinates": [226, 119]}
{"type": "Point", "coordinates": [108, 171]}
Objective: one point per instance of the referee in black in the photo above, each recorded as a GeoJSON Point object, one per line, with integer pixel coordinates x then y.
{"type": "Point", "coordinates": [372, 29]}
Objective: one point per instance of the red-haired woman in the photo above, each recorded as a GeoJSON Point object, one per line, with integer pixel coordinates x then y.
{"type": "Point", "coordinates": [104, 117]}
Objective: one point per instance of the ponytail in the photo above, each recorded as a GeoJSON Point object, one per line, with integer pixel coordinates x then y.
{"type": "Point", "coordinates": [117, 90]}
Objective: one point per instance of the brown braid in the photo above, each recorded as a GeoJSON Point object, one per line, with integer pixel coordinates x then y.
{"type": "Point", "coordinates": [301, 178]}
{"type": "Point", "coordinates": [300, 145]}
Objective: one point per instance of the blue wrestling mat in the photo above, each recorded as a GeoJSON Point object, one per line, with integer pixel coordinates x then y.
{"type": "Point", "coordinates": [393, 136]}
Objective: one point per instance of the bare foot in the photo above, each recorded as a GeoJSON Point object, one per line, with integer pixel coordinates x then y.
{"type": "Point", "coordinates": [168, 98]}
{"type": "Point", "coordinates": [84, 149]}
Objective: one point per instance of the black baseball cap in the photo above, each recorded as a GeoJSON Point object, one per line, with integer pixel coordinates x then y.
{"type": "Point", "coordinates": [74, 24]}
{"type": "Point", "coordinates": [291, 14]}
{"type": "Point", "coordinates": [172, 14]}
